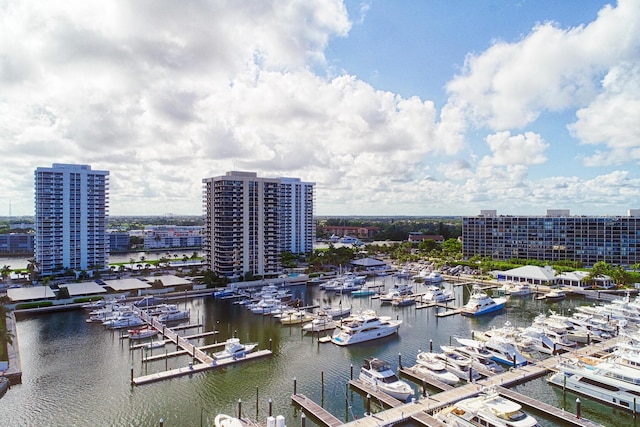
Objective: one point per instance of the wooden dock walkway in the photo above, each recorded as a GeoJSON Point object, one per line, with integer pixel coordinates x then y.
{"type": "Point", "coordinates": [565, 416]}
{"type": "Point", "coordinates": [381, 397]}
{"type": "Point", "coordinates": [324, 417]}
{"type": "Point", "coordinates": [201, 367]}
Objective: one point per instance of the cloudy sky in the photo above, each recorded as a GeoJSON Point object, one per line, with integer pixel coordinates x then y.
{"type": "Point", "coordinates": [391, 107]}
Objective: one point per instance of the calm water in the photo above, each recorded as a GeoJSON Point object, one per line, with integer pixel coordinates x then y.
{"type": "Point", "coordinates": [77, 374]}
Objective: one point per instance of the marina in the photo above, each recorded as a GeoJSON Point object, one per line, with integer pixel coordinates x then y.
{"type": "Point", "coordinates": [261, 380]}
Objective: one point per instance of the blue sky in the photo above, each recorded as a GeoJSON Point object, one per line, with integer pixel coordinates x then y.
{"type": "Point", "coordinates": [390, 107]}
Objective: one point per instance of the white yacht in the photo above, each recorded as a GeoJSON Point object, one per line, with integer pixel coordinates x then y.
{"type": "Point", "coordinates": [433, 277]}
{"type": "Point", "coordinates": [428, 364]}
{"type": "Point", "coordinates": [480, 303]}
{"type": "Point", "coordinates": [398, 290]}
{"type": "Point", "coordinates": [321, 322]}
{"type": "Point", "coordinates": [481, 358]}
{"type": "Point", "coordinates": [233, 348]}
{"type": "Point", "coordinates": [487, 409]}
{"type": "Point", "coordinates": [612, 383]}
{"type": "Point", "coordinates": [503, 350]}
{"type": "Point", "coordinates": [538, 339]}
{"type": "Point", "coordinates": [294, 317]}
{"type": "Point", "coordinates": [515, 289]}
{"type": "Point", "coordinates": [378, 374]}
{"type": "Point", "coordinates": [171, 313]}
{"type": "Point", "coordinates": [365, 327]}
{"type": "Point", "coordinates": [458, 364]}
{"type": "Point", "coordinates": [436, 294]}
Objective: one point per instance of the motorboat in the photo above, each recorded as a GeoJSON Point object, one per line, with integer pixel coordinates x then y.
{"type": "Point", "coordinates": [124, 319]}
{"type": "Point", "coordinates": [4, 385]}
{"type": "Point", "coordinates": [504, 350]}
{"type": "Point", "coordinates": [436, 294]}
{"type": "Point", "coordinates": [234, 349]}
{"type": "Point", "coordinates": [321, 322]}
{"type": "Point", "coordinates": [515, 289]}
{"type": "Point", "coordinates": [337, 312]}
{"type": "Point", "coordinates": [429, 364]}
{"type": "Point", "coordinates": [481, 358]}
{"type": "Point", "coordinates": [155, 344]}
{"type": "Point", "coordinates": [405, 273]}
{"type": "Point", "coordinates": [458, 364]}
{"type": "Point", "coordinates": [481, 303]}
{"type": "Point", "coordinates": [265, 306]}
{"type": "Point", "coordinates": [507, 331]}
{"type": "Point", "coordinates": [142, 333]}
{"type": "Point", "coordinates": [295, 317]}
{"type": "Point", "coordinates": [487, 409]}
{"type": "Point", "coordinates": [398, 290]}
{"type": "Point", "coordinates": [365, 327]}
{"type": "Point", "coordinates": [363, 292]}
{"type": "Point", "coordinates": [538, 339]}
{"type": "Point", "coordinates": [433, 277]}
{"type": "Point", "coordinates": [222, 420]}
{"type": "Point", "coordinates": [609, 382]}
{"type": "Point", "coordinates": [379, 375]}
{"type": "Point", "coordinates": [554, 295]}
{"type": "Point", "coordinates": [348, 285]}
{"type": "Point", "coordinates": [403, 301]}
{"type": "Point", "coordinates": [171, 313]}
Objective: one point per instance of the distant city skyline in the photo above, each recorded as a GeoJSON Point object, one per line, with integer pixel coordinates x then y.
{"type": "Point", "coordinates": [392, 108]}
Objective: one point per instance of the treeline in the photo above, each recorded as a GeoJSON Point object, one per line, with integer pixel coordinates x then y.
{"type": "Point", "coordinates": [398, 228]}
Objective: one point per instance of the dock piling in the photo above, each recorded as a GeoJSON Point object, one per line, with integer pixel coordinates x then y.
{"type": "Point", "coordinates": [368, 405]}
{"type": "Point", "coordinates": [578, 408]}
{"type": "Point", "coordinates": [131, 374]}
{"type": "Point", "coordinates": [161, 424]}
{"type": "Point", "coordinates": [239, 409]}
{"type": "Point", "coordinates": [303, 420]}
{"type": "Point", "coordinates": [257, 413]}
{"type": "Point", "coordinates": [351, 375]}
{"type": "Point", "coordinates": [400, 360]}
{"type": "Point", "coordinates": [295, 386]}
{"type": "Point", "coordinates": [270, 407]}
{"type": "Point", "coordinates": [430, 345]}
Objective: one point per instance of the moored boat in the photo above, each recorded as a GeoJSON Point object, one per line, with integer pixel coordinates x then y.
{"type": "Point", "coordinates": [481, 303]}
{"type": "Point", "coordinates": [365, 327]}
{"type": "Point", "coordinates": [321, 322]}
{"type": "Point", "coordinates": [378, 374]}
{"type": "Point", "coordinates": [487, 409]}
{"type": "Point", "coordinates": [234, 349]}
{"type": "Point", "coordinates": [142, 333]}
{"type": "Point", "coordinates": [429, 364]}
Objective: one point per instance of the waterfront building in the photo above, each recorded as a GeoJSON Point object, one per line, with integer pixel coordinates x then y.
{"type": "Point", "coordinates": [172, 236]}
{"type": "Point", "coordinates": [556, 236]}
{"type": "Point", "coordinates": [119, 241]}
{"type": "Point", "coordinates": [71, 209]}
{"type": "Point", "coordinates": [297, 226]}
{"type": "Point", "coordinates": [16, 243]}
{"type": "Point", "coordinates": [250, 220]}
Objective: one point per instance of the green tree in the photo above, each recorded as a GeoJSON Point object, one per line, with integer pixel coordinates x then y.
{"type": "Point", "coordinates": [5, 335]}
{"type": "Point", "coordinates": [5, 271]}
{"type": "Point", "coordinates": [452, 247]}
{"type": "Point", "coordinates": [33, 267]}
{"type": "Point", "coordinates": [620, 276]}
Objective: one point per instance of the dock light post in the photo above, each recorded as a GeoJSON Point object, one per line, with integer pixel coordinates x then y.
{"type": "Point", "coordinates": [270, 407]}
{"type": "Point", "coordinates": [303, 420]}
{"type": "Point", "coordinates": [578, 408]}
{"type": "Point", "coordinates": [239, 409]}
{"type": "Point", "coordinates": [368, 405]}
{"type": "Point", "coordinates": [161, 422]}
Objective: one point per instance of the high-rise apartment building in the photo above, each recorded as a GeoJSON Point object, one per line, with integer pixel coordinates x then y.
{"type": "Point", "coordinates": [250, 220]}
{"type": "Point", "coordinates": [556, 236]}
{"type": "Point", "coordinates": [297, 226]}
{"type": "Point", "coordinates": [71, 205]}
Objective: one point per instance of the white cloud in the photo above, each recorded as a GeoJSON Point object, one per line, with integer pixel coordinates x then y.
{"type": "Point", "coordinates": [521, 149]}
{"type": "Point", "coordinates": [510, 84]}
{"type": "Point", "coordinates": [612, 118]}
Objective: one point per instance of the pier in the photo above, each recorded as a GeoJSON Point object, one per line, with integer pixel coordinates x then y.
{"type": "Point", "coordinates": [423, 409]}
{"type": "Point", "coordinates": [184, 347]}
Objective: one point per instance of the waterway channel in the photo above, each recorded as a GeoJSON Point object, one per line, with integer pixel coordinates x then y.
{"type": "Point", "coordinates": [78, 374]}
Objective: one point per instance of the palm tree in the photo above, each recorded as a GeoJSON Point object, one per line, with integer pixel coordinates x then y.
{"type": "Point", "coordinates": [5, 271]}
{"type": "Point", "coordinates": [33, 267]}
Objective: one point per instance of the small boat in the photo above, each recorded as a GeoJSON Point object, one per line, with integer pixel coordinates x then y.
{"type": "Point", "coordinates": [322, 322]}
{"type": "Point", "coordinates": [363, 292]}
{"type": "Point", "coordinates": [480, 303]}
{"type": "Point", "coordinates": [433, 277]}
{"type": "Point", "coordinates": [142, 333]}
{"type": "Point", "coordinates": [294, 317]}
{"type": "Point", "coordinates": [338, 311]}
{"type": "Point", "coordinates": [487, 409]}
{"type": "Point", "coordinates": [4, 385]}
{"type": "Point", "coordinates": [458, 364]}
{"type": "Point", "coordinates": [553, 295]}
{"type": "Point", "coordinates": [234, 349]}
{"type": "Point", "coordinates": [403, 301]}
{"type": "Point", "coordinates": [222, 420]}
{"type": "Point", "coordinates": [430, 365]}
{"type": "Point", "coordinates": [171, 313]}
{"type": "Point", "coordinates": [155, 344]}
{"type": "Point", "coordinates": [378, 374]}
{"type": "Point", "coordinates": [398, 290]}
{"type": "Point", "coordinates": [436, 294]}
{"type": "Point", "coordinates": [503, 350]}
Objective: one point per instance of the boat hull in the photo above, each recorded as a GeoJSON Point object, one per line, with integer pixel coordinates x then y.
{"type": "Point", "coordinates": [488, 310]}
